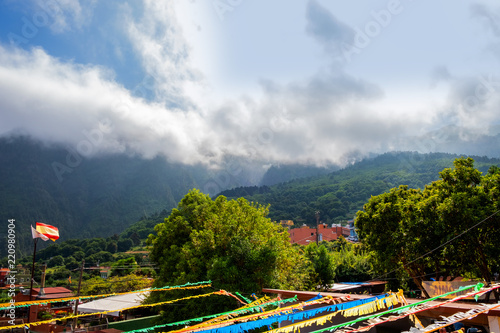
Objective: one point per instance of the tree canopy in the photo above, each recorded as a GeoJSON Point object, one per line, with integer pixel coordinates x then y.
{"type": "Point", "coordinates": [450, 228]}
{"type": "Point", "coordinates": [232, 242]}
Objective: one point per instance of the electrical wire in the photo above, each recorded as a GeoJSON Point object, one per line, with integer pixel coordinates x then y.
{"type": "Point", "coordinates": [438, 247]}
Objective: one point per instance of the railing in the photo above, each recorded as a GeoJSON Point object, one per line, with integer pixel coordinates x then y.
{"type": "Point", "coordinates": [97, 328]}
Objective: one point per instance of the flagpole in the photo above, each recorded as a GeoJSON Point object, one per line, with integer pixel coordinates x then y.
{"type": "Point", "coordinates": [75, 322]}
{"type": "Point", "coordinates": [32, 276]}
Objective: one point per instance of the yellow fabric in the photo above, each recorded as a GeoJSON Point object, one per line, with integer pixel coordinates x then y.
{"type": "Point", "coordinates": [371, 307]}
{"type": "Point", "coordinates": [103, 295]}
{"type": "Point", "coordinates": [105, 312]}
{"type": "Point", "coordinates": [288, 309]}
{"type": "Point", "coordinates": [260, 301]}
{"type": "Point", "coordinates": [355, 311]}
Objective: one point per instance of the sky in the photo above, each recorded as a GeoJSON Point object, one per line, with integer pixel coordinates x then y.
{"type": "Point", "coordinates": [307, 81]}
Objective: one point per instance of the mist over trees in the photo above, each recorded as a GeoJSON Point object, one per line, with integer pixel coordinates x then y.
{"type": "Point", "coordinates": [340, 194]}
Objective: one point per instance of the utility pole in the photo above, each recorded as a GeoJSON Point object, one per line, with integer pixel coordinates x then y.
{"type": "Point", "coordinates": [42, 283]}
{"type": "Point", "coordinates": [75, 321]}
{"type": "Point", "coordinates": [32, 276]}
{"type": "Point", "coordinates": [317, 227]}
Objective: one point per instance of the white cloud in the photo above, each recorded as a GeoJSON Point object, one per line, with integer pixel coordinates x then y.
{"type": "Point", "coordinates": [158, 40]}
{"type": "Point", "coordinates": [66, 14]}
{"type": "Point", "coordinates": [325, 117]}
{"type": "Point", "coordinates": [322, 119]}
{"type": "Point", "coordinates": [60, 102]}
{"type": "Point", "coordinates": [328, 30]}
{"type": "Point", "coordinates": [488, 15]}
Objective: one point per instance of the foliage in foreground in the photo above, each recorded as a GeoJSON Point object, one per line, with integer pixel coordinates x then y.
{"type": "Point", "coordinates": [450, 228]}
{"type": "Point", "coordinates": [233, 243]}
{"type": "Point", "coordinates": [115, 284]}
{"type": "Point", "coordinates": [236, 246]}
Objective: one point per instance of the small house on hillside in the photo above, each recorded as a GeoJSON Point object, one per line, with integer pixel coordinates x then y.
{"type": "Point", "coordinates": [305, 234]}
{"type": "Point", "coordinates": [47, 293]}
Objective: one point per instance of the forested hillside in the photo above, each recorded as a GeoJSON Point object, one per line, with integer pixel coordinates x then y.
{"type": "Point", "coordinates": [282, 173]}
{"type": "Point", "coordinates": [340, 194]}
{"type": "Point", "coordinates": [99, 197]}
{"type": "Point", "coordinates": [103, 195]}
{"type": "Point", "coordinates": [89, 197]}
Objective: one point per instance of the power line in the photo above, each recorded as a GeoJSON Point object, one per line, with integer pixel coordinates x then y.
{"type": "Point", "coordinates": [440, 246]}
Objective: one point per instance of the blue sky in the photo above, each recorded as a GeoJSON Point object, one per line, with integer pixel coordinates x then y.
{"type": "Point", "coordinates": [275, 81]}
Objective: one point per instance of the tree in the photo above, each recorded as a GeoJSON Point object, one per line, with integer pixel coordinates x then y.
{"type": "Point", "coordinates": [322, 264]}
{"type": "Point", "coordinates": [135, 238]}
{"type": "Point", "coordinates": [115, 284]}
{"type": "Point", "coordinates": [60, 273]}
{"type": "Point", "coordinates": [124, 244]}
{"type": "Point", "coordinates": [468, 204]}
{"type": "Point", "coordinates": [124, 267]}
{"type": "Point", "coordinates": [56, 261]}
{"type": "Point", "coordinates": [112, 246]}
{"type": "Point", "coordinates": [352, 262]}
{"type": "Point", "coordinates": [99, 258]}
{"type": "Point", "coordinates": [79, 255]}
{"type": "Point", "coordinates": [446, 229]}
{"type": "Point", "coordinates": [232, 243]}
{"type": "Point", "coordinates": [385, 226]}
{"type": "Point", "coordinates": [71, 263]}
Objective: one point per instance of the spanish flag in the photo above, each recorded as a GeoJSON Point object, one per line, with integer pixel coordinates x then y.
{"type": "Point", "coordinates": [36, 234]}
{"type": "Point", "coordinates": [48, 231]}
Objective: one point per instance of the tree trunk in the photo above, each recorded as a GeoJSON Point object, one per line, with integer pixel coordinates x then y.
{"type": "Point", "coordinates": [417, 280]}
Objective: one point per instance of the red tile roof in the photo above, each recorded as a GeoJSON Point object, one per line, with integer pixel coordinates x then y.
{"type": "Point", "coordinates": [53, 292]}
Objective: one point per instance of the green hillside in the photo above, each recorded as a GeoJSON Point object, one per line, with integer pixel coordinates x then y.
{"type": "Point", "coordinates": [102, 196]}
{"type": "Point", "coordinates": [340, 194]}
{"type": "Point", "coordinates": [96, 197]}
{"type": "Point", "coordinates": [285, 172]}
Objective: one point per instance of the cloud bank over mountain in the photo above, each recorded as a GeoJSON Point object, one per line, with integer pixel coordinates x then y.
{"type": "Point", "coordinates": [315, 83]}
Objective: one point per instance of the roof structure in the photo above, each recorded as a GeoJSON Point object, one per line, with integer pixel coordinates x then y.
{"type": "Point", "coordinates": [431, 314]}
{"type": "Point", "coordinates": [373, 287]}
{"type": "Point", "coordinates": [52, 292]}
{"type": "Point", "coordinates": [113, 303]}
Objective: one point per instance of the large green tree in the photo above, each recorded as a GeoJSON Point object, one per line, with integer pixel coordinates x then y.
{"type": "Point", "coordinates": [230, 242]}
{"type": "Point", "coordinates": [233, 243]}
{"type": "Point", "coordinates": [323, 270]}
{"type": "Point", "coordinates": [449, 228]}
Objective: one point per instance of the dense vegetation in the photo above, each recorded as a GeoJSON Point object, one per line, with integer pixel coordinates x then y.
{"type": "Point", "coordinates": [449, 228]}
{"type": "Point", "coordinates": [102, 195]}
{"type": "Point", "coordinates": [340, 194]}
{"type": "Point", "coordinates": [285, 172]}
{"type": "Point", "coordinates": [124, 255]}
{"type": "Point", "coordinates": [235, 245]}
{"type": "Point", "coordinates": [83, 197]}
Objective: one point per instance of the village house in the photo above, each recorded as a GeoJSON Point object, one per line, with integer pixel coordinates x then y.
{"type": "Point", "coordinates": [305, 235]}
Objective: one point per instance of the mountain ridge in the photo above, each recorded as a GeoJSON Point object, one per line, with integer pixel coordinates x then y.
{"type": "Point", "coordinates": [340, 194]}
{"type": "Point", "coordinates": [100, 196]}
{"type": "Point", "coordinates": [105, 195]}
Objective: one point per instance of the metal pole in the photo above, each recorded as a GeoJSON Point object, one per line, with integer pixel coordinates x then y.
{"type": "Point", "coordinates": [75, 321]}
{"type": "Point", "coordinates": [317, 227]}
{"type": "Point", "coordinates": [42, 282]}
{"type": "Point", "coordinates": [32, 276]}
